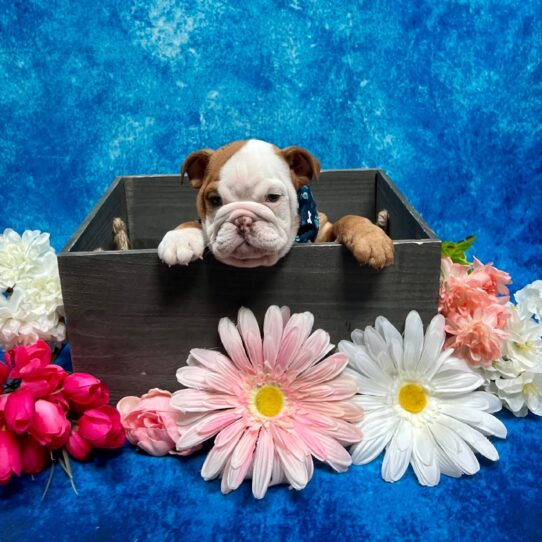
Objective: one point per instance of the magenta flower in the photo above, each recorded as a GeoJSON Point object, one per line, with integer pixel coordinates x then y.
{"type": "Point", "coordinates": [273, 404]}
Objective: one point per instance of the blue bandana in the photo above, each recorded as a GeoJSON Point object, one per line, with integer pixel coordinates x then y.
{"type": "Point", "coordinates": [308, 216]}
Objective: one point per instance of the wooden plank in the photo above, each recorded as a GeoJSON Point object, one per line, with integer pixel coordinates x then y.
{"type": "Point", "coordinates": [405, 222]}
{"type": "Point", "coordinates": [158, 203]}
{"type": "Point", "coordinates": [96, 230]}
{"type": "Point", "coordinates": [133, 320]}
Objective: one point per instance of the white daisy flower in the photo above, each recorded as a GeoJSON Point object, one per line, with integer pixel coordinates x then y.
{"type": "Point", "coordinates": [420, 402]}
{"type": "Point", "coordinates": [520, 394]}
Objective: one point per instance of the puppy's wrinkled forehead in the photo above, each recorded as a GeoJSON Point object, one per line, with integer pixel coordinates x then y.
{"type": "Point", "coordinates": [254, 162]}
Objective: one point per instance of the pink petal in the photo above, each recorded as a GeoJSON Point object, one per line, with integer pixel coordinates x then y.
{"type": "Point", "coordinates": [285, 312]}
{"type": "Point", "coordinates": [338, 389]}
{"type": "Point", "coordinates": [234, 345]}
{"type": "Point", "coordinates": [214, 361]}
{"type": "Point", "coordinates": [231, 432]}
{"type": "Point", "coordinates": [263, 464]}
{"type": "Point", "coordinates": [272, 335]}
{"type": "Point", "coordinates": [295, 470]}
{"type": "Point", "coordinates": [203, 379]}
{"type": "Point", "coordinates": [217, 458]}
{"type": "Point", "coordinates": [345, 410]}
{"type": "Point", "coordinates": [314, 349]}
{"type": "Point", "coordinates": [345, 433]}
{"type": "Point", "coordinates": [205, 428]}
{"type": "Point", "coordinates": [189, 400]}
{"type": "Point", "coordinates": [241, 459]}
{"type": "Point", "coordinates": [250, 332]}
{"type": "Point", "coordinates": [127, 404]}
{"type": "Point", "coordinates": [323, 371]}
{"type": "Point", "coordinates": [295, 334]}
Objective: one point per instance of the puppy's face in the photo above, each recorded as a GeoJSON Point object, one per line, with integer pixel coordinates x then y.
{"type": "Point", "coordinates": [247, 199]}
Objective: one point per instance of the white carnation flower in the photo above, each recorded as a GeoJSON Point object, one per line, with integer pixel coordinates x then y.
{"type": "Point", "coordinates": [520, 394]}
{"type": "Point", "coordinates": [31, 306]}
{"type": "Point", "coordinates": [529, 300]}
{"type": "Point", "coordinates": [516, 378]}
{"type": "Point", "coordinates": [421, 404]}
{"type": "Point", "coordinates": [21, 255]}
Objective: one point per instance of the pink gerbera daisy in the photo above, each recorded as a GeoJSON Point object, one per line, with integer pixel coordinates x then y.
{"type": "Point", "coordinates": [272, 403]}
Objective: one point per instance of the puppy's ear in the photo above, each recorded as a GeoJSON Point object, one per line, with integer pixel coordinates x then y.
{"type": "Point", "coordinates": [303, 165]}
{"type": "Point", "coordinates": [195, 165]}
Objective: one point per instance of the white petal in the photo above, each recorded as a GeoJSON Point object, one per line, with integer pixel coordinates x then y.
{"type": "Point", "coordinates": [455, 448]}
{"type": "Point", "coordinates": [363, 363]}
{"type": "Point", "coordinates": [368, 449]}
{"type": "Point", "coordinates": [484, 422]}
{"type": "Point", "coordinates": [424, 458]}
{"type": "Point", "coordinates": [413, 341]}
{"type": "Point", "coordinates": [474, 438]}
{"type": "Point", "coordinates": [478, 400]}
{"type": "Point", "coordinates": [366, 385]}
{"type": "Point", "coordinates": [432, 345]}
{"type": "Point", "coordinates": [456, 382]}
{"type": "Point", "coordinates": [398, 453]}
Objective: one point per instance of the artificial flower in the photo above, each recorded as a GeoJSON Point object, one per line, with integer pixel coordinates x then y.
{"type": "Point", "coordinates": [420, 402]}
{"type": "Point", "coordinates": [529, 300]}
{"type": "Point", "coordinates": [10, 456]}
{"type": "Point", "coordinates": [24, 360]}
{"type": "Point", "coordinates": [77, 446]}
{"type": "Point", "coordinates": [477, 337]}
{"type": "Point", "coordinates": [273, 404]}
{"type": "Point", "coordinates": [519, 394]}
{"type": "Point", "coordinates": [101, 427]}
{"type": "Point", "coordinates": [19, 410]}
{"type": "Point", "coordinates": [31, 306]}
{"type": "Point", "coordinates": [516, 377]}
{"type": "Point", "coordinates": [50, 427]}
{"type": "Point", "coordinates": [472, 298]}
{"type": "Point", "coordinates": [151, 422]}
{"type": "Point", "coordinates": [85, 391]}
{"type": "Point", "coordinates": [524, 343]}
{"type": "Point", "coordinates": [34, 456]}
{"type": "Point", "coordinates": [21, 256]}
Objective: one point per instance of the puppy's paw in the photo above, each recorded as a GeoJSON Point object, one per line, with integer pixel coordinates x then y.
{"type": "Point", "coordinates": [180, 247]}
{"type": "Point", "coordinates": [373, 248]}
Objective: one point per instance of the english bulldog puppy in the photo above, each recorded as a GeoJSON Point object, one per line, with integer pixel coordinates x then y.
{"type": "Point", "coordinates": [248, 205]}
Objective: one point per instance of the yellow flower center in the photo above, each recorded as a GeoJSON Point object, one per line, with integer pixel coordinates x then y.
{"type": "Point", "coordinates": [530, 388]}
{"type": "Point", "coordinates": [523, 347]}
{"type": "Point", "coordinates": [412, 397]}
{"type": "Point", "coordinates": [269, 400]}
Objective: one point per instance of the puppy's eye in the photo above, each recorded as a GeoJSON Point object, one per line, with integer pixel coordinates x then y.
{"type": "Point", "coordinates": [272, 198]}
{"type": "Point", "coordinates": [215, 201]}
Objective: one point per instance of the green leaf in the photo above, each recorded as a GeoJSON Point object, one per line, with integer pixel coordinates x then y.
{"type": "Point", "coordinates": [456, 251]}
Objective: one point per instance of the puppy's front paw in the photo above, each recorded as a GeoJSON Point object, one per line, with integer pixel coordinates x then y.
{"type": "Point", "coordinates": [373, 248]}
{"type": "Point", "coordinates": [180, 247]}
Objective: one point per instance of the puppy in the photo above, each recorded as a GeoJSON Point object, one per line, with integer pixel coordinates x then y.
{"type": "Point", "coordinates": [248, 205]}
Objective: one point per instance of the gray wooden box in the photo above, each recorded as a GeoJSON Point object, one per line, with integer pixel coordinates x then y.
{"type": "Point", "coordinates": [132, 320]}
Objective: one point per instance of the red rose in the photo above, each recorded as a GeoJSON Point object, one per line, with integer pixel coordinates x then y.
{"type": "Point", "coordinates": [77, 446]}
{"type": "Point", "coordinates": [101, 427]}
{"type": "Point", "coordinates": [49, 425]}
{"type": "Point", "coordinates": [34, 456]}
{"type": "Point", "coordinates": [26, 359]}
{"type": "Point", "coordinates": [10, 456]}
{"type": "Point", "coordinates": [44, 380]}
{"type": "Point", "coordinates": [3, 399]}
{"type": "Point", "coordinates": [85, 391]}
{"type": "Point", "coordinates": [19, 410]}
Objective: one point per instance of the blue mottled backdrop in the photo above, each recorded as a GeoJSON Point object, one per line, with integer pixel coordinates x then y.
{"type": "Point", "coordinates": [445, 95]}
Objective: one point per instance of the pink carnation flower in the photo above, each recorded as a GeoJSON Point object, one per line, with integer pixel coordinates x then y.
{"type": "Point", "coordinates": [273, 404]}
{"type": "Point", "coordinates": [491, 280]}
{"type": "Point", "coordinates": [477, 337]}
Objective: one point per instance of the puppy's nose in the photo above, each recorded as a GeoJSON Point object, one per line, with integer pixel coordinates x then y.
{"type": "Point", "coordinates": [243, 223]}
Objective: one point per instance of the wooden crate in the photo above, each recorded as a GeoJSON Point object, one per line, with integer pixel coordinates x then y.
{"type": "Point", "coordinates": [132, 320]}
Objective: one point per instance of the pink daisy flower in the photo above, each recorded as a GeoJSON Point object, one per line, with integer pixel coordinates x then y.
{"type": "Point", "coordinates": [273, 404]}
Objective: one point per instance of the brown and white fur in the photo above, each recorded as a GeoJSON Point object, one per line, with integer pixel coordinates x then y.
{"type": "Point", "coordinates": [248, 209]}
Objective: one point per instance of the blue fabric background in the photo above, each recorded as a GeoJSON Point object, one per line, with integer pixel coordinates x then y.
{"type": "Point", "coordinates": [446, 96]}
